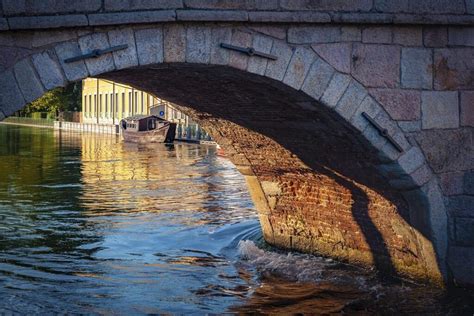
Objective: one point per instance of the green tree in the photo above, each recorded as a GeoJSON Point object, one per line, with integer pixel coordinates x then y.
{"type": "Point", "coordinates": [57, 100]}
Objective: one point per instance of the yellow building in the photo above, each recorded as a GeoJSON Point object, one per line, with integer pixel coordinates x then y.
{"type": "Point", "coordinates": [107, 102]}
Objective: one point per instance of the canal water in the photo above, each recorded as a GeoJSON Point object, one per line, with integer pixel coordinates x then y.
{"type": "Point", "coordinates": [91, 225]}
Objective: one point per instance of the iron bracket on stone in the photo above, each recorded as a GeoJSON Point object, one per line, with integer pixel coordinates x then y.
{"type": "Point", "coordinates": [96, 53]}
{"type": "Point", "coordinates": [249, 51]}
{"type": "Point", "coordinates": [383, 131]}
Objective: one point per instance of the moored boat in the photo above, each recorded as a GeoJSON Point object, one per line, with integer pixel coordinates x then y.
{"type": "Point", "coordinates": [147, 129]}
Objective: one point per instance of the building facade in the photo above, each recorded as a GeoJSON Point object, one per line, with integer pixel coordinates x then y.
{"type": "Point", "coordinates": [107, 102]}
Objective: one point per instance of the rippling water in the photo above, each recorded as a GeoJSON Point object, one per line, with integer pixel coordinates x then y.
{"type": "Point", "coordinates": [91, 225]}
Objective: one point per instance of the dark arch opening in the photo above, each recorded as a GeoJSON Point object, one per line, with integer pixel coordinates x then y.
{"type": "Point", "coordinates": [328, 196]}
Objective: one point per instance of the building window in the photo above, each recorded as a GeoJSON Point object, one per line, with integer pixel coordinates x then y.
{"type": "Point", "coordinates": [100, 104]}
{"type": "Point", "coordinates": [136, 102]}
{"type": "Point", "coordinates": [116, 104]}
{"type": "Point", "coordinates": [130, 103]}
{"type": "Point", "coordinates": [90, 105]}
{"type": "Point", "coordinates": [84, 106]}
{"type": "Point", "coordinates": [123, 104]}
{"type": "Point", "coordinates": [106, 105]}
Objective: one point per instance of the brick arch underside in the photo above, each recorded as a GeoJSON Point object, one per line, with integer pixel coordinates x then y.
{"type": "Point", "coordinates": [312, 175]}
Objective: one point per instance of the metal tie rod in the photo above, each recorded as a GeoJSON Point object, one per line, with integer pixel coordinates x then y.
{"type": "Point", "coordinates": [249, 51]}
{"type": "Point", "coordinates": [96, 53]}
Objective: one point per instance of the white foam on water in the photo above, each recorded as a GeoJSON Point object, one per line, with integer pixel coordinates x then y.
{"type": "Point", "coordinates": [300, 267]}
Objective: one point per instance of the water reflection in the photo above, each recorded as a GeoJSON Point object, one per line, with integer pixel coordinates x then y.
{"type": "Point", "coordinates": [91, 225]}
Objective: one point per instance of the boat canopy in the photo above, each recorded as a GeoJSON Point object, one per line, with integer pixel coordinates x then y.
{"type": "Point", "coordinates": [141, 122]}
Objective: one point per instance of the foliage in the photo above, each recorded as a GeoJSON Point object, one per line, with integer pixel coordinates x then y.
{"type": "Point", "coordinates": [57, 100]}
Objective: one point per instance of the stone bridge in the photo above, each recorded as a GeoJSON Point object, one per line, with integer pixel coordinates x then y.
{"type": "Point", "coordinates": [322, 177]}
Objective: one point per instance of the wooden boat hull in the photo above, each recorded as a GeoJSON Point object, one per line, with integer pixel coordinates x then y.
{"type": "Point", "coordinates": [164, 134]}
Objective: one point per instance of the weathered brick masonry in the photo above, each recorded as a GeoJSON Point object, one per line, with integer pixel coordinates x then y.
{"type": "Point", "coordinates": [322, 178]}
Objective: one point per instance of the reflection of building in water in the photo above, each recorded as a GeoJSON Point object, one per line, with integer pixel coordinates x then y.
{"type": "Point", "coordinates": [127, 177]}
{"type": "Point", "coordinates": [107, 102]}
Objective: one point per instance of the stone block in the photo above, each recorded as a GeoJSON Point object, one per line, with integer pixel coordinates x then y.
{"type": "Point", "coordinates": [49, 70]}
{"type": "Point", "coordinates": [314, 34]}
{"type": "Point", "coordinates": [408, 35]}
{"type": "Point", "coordinates": [409, 126]}
{"type": "Point", "coordinates": [3, 24]}
{"type": "Point", "coordinates": [388, 152]}
{"type": "Point", "coordinates": [460, 262]}
{"type": "Point", "coordinates": [214, 15]}
{"type": "Point", "coordinates": [468, 182]}
{"type": "Point", "coordinates": [317, 79]}
{"type": "Point", "coordinates": [461, 206]}
{"type": "Point", "coordinates": [437, 218]}
{"type": "Point", "coordinates": [30, 84]}
{"type": "Point", "coordinates": [421, 6]}
{"type": "Point", "coordinates": [435, 36]}
{"type": "Point", "coordinates": [258, 65]}
{"type": "Point", "coordinates": [369, 106]}
{"type": "Point", "coordinates": [448, 150]}
{"type": "Point", "coordinates": [219, 55]}
{"type": "Point", "coordinates": [11, 98]}
{"type": "Point", "coordinates": [464, 228]}
{"type": "Point", "coordinates": [102, 64]}
{"type": "Point", "coordinates": [288, 17]}
{"type": "Point", "coordinates": [337, 55]}
{"type": "Point", "coordinates": [470, 6]}
{"type": "Point", "coordinates": [400, 104]}
{"type": "Point", "coordinates": [467, 108]}
{"type": "Point", "coordinates": [272, 31]}
{"type": "Point", "coordinates": [327, 5]}
{"type": "Point", "coordinates": [351, 99]}
{"type": "Point", "coordinates": [237, 59]}
{"type": "Point", "coordinates": [337, 86]}
{"type": "Point", "coordinates": [351, 34]}
{"type": "Point", "coordinates": [73, 71]}
{"type": "Point", "coordinates": [131, 5]}
{"type": "Point", "coordinates": [298, 67]}
{"type": "Point", "coordinates": [149, 43]}
{"type": "Point", "coordinates": [377, 34]}
{"type": "Point", "coordinates": [198, 45]}
{"type": "Point", "coordinates": [376, 65]}
{"type": "Point", "coordinates": [416, 179]}
{"type": "Point", "coordinates": [213, 4]}
{"type": "Point", "coordinates": [32, 7]}
{"type": "Point", "coordinates": [440, 109]}
{"type": "Point", "coordinates": [174, 43]}
{"type": "Point", "coordinates": [124, 58]}
{"type": "Point", "coordinates": [46, 37]}
{"type": "Point", "coordinates": [421, 175]}
{"type": "Point", "coordinates": [461, 36]}
{"type": "Point", "coordinates": [276, 68]}
{"type": "Point", "coordinates": [453, 69]}
{"type": "Point", "coordinates": [363, 18]}
{"type": "Point", "coordinates": [120, 18]}
{"type": "Point", "coordinates": [373, 137]}
{"type": "Point", "coordinates": [417, 68]}
{"type": "Point", "coordinates": [451, 183]}
{"type": "Point", "coordinates": [47, 22]}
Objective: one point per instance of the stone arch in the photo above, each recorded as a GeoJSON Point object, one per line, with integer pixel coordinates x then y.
{"type": "Point", "coordinates": [312, 86]}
